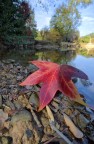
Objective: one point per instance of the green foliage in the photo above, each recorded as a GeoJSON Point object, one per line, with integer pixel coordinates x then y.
{"type": "Point", "coordinates": [84, 2]}
{"type": "Point", "coordinates": [44, 33]}
{"type": "Point", "coordinates": [51, 35]}
{"type": "Point", "coordinates": [54, 36]}
{"type": "Point", "coordinates": [65, 20]}
{"type": "Point", "coordinates": [85, 39]}
{"type": "Point", "coordinates": [31, 24]}
{"type": "Point", "coordinates": [14, 18]}
{"type": "Point", "coordinates": [39, 37]}
{"type": "Point", "coordinates": [91, 35]}
{"type": "Point", "coordinates": [53, 3]}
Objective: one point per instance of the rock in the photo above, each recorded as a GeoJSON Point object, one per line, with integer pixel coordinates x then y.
{"type": "Point", "coordinates": [11, 61]}
{"type": "Point", "coordinates": [82, 121]}
{"type": "Point", "coordinates": [68, 112]}
{"type": "Point", "coordinates": [34, 100]}
{"type": "Point", "coordinates": [90, 132]}
{"type": "Point", "coordinates": [10, 104]}
{"type": "Point", "coordinates": [3, 118]}
{"type": "Point", "coordinates": [0, 101]}
{"type": "Point", "coordinates": [28, 87]}
{"type": "Point", "coordinates": [23, 101]}
{"type": "Point", "coordinates": [23, 115]}
{"type": "Point", "coordinates": [32, 67]}
{"type": "Point", "coordinates": [4, 140]}
{"type": "Point", "coordinates": [74, 80]}
{"type": "Point", "coordinates": [48, 130]}
{"type": "Point", "coordinates": [19, 78]}
{"type": "Point", "coordinates": [44, 121]}
{"type": "Point", "coordinates": [17, 104]}
{"type": "Point", "coordinates": [19, 67]}
{"type": "Point", "coordinates": [53, 109]}
{"type": "Point", "coordinates": [55, 105]}
{"type": "Point", "coordinates": [29, 133]}
{"type": "Point", "coordinates": [11, 66]}
{"type": "Point", "coordinates": [17, 131]}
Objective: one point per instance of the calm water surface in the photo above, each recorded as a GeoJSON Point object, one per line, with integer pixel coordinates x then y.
{"type": "Point", "coordinates": [84, 63]}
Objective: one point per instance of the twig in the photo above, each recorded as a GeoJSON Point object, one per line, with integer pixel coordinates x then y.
{"type": "Point", "coordinates": [50, 140]}
{"type": "Point", "coordinates": [34, 116]}
{"type": "Point", "coordinates": [59, 133]}
{"type": "Point", "coordinates": [47, 142]}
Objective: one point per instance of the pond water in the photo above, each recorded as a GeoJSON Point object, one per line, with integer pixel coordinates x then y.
{"type": "Point", "coordinates": [84, 63]}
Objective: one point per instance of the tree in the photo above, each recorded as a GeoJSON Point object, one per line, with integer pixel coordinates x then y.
{"type": "Point", "coordinates": [44, 33]}
{"type": "Point", "coordinates": [82, 3]}
{"type": "Point", "coordinates": [66, 20]}
{"type": "Point", "coordinates": [67, 17]}
{"type": "Point", "coordinates": [14, 15]}
{"type": "Point", "coordinates": [46, 4]}
{"type": "Point", "coordinates": [31, 24]}
{"type": "Point", "coordinates": [53, 36]}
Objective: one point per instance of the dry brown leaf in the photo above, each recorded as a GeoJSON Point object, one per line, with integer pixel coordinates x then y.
{"type": "Point", "coordinates": [75, 131]}
{"type": "Point", "coordinates": [50, 114]}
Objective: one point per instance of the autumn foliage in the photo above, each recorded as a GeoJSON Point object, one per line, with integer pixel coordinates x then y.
{"type": "Point", "coordinates": [54, 77]}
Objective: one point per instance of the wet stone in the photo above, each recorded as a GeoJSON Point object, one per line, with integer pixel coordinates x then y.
{"type": "Point", "coordinates": [17, 104]}
{"type": "Point", "coordinates": [4, 140]}
{"type": "Point", "coordinates": [10, 104]}
{"type": "Point", "coordinates": [29, 133]}
{"type": "Point", "coordinates": [23, 115]}
{"type": "Point", "coordinates": [82, 121]}
{"type": "Point", "coordinates": [34, 100]}
{"type": "Point", "coordinates": [0, 100]}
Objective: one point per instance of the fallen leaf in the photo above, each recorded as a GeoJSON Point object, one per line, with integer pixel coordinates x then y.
{"type": "Point", "coordinates": [54, 77]}
{"type": "Point", "coordinates": [50, 114]}
{"type": "Point", "coordinates": [75, 131]}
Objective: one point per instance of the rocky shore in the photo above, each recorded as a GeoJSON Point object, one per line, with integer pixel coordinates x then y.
{"type": "Point", "coordinates": [64, 122]}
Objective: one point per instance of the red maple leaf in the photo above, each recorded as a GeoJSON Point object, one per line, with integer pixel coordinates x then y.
{"type": "Point", "coordinates": [54, 77]}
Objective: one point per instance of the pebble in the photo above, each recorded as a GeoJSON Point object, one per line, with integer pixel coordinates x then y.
{"type": "Point", "coordinates": [34, 100]}
{"type": "Point", "coordinates": [0, 101]}
{"type": "Point", "coordinates": [29, 133]}
{"type": "Point", "coordinates": [55, 105]}
{"type": "Point", "coordinates": [17, 104]}
{"type": "Point", "coordinates": [82, 121]}
{"type": "Point", "coordinates": [4, 140]}
{"type": "Point", "coordinates": [23, 115]}
{"type": "Point", "coordinates": [10, 104]}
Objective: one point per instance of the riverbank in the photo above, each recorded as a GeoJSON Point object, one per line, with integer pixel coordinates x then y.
{"type": "Point", "coordinates": [21, 123]}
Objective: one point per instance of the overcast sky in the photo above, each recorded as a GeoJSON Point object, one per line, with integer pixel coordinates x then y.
{"type": "Point", "coordinates": [43, 17]}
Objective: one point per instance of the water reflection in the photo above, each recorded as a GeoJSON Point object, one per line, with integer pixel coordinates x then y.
{"type": "Point", "coordinates": [85, 64]}
{"type": "Point", "coordinates": [87, 92]}
{"type": "Point", "coordinates": [57, 57]}
{"type": "Point", "coordinates": [87, 53]}
{"type": "Point", "coordinates": [27, 55]}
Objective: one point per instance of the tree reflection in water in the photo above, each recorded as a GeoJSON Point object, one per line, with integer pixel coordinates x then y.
{"type": "Point", "coordinates": [57, 57]}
